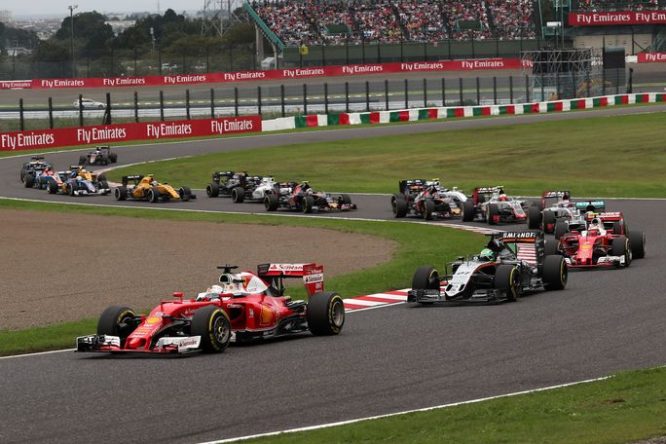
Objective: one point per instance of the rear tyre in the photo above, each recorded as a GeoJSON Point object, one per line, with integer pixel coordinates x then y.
{"type": "Point", "coordinates": [271, 202]}
{"type": "Point", "coordinates": [622, 247]}
{"type": "Point", "coordinates": [399, 205]}
{"type": "Point", "coordinates": [213, 325]}
{"type": "Point", "coordinates": [113, 157]}
{"type": "Point", "coordinates": [425, 278]}
{"type": "Point", "coordinates": [52, 187]}
{"type": "Point", "coordinates": [555, 272]}
{"type": "Point", "coordinates": [551, 246]}
{"type": "Point", "coordinates": [345, 199]}
{"type": "Point", "coordinates": [507, 280]}
{"type": "Point", "coordinates": [238, 194]}
{"type": "Point", "coordinates": [29, 180]}
{"type": "Point", "coordinates": [120, 193]}
{"type": "Point", "coordinates": [213, 190]}
{"type": "Point", "coordinates": [533, 217]}
{"type": "Point", "coordinates": [325, 314]}
{"type": "Point", "coordinates": [71, 189]}
{"type": "Point", "coordinates": [117, 321]}
{"type": "Point", "coordinates": [185, 194]}
{"type": "Point", "coordinates": [468, 211]}
{"type": "Point", "coordinates": [637, 242]}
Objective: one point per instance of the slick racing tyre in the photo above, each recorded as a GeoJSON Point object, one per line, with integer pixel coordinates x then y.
{"type": "Point", "coordinates": [29, 180]}
{"type": "Point", "coordinates": [425, 278]}
{"type": "Point", "coordinates": [52, 187]}
{"type": "Point", "coordinates": [551, 245]}
{"type": "Point", "coordinates": [153, 195]}
{"type": "Point", "coordinates": [113, 157]}
{"type": "Point", "coordinates": [637, 241]}
{"type": "Point", "coordinates": [493, 213]}
{"type": "Point", "coordinates": [213, 325]}
{"type": "Point", "coordinates": [271, 202]}
{"type": "Point", "coordinates": [308, 204]}
{"type": "Point", "coordinates": [83, 160]}
{"type": "Point", "coordinates": [345, 199]}
{"type": "Point", "coordinates": [507, 280]}
{"type": "Point", "coordinates": [120, 193]}
{"type": "Point", "coordinates": [428, 209]}
{"type": "Point", "coordinates": [555, 272]}
{"type": "Point", "coordinates": [622, 247]}
{"type": "Point", "coordinates": [399, 206]}
{"type": "Point", "coordinates": [71, 189]}
{"type": "Point", "coordinates": [468, 211]}
{"type": "Point", "coordinates": [325, 314]}
{"type": "Point", "coordinates": [561, 228]}
{"type": "Point", "coordinates": [213, 190]}
{"type": "Point", "coordinates": [238, 194]}
{"type": "Point", "coordinates": [185, 194]}
{"type": "Point", "coordinates": [549, 221]}
{"type": "Point", "coordinates": [117, 321]}
{"type": "Point", "coordinates": [533, 217]}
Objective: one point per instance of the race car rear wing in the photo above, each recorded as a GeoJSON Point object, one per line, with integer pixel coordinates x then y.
{"type": "Point", "coordinates": [127, 179]}
{"type": "Point", "coordinates": [591, 205]}
{"type": "Point", "coordinates": [312, 274]}
{"type": "Point", "coordinates": [406, 184]}
{"type": "Point", "coordinates": [551, 194]}
{"type": "Point", "coordinates": [610, 216]}
{"type": "Point", "coordinates": [529, 245]}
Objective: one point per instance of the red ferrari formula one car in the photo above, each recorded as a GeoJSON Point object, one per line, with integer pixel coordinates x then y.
{"type": "Point", "coordinates": [244, 305]}
{"type": "Point", "coordinates": [604, 241]}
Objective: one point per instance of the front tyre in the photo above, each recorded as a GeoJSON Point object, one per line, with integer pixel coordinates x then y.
{"type": "Point", "coordinates": [425, 278]}
{"type": "Point", "coordinates": [507, 280]}
{"type": "Point", "coordinates": [238, 194]}
{"type": "Point", "coordinates": [213, 190]}
{"type": "Point", "coordinates": [637, 241]}
{"type": "Point", "coordinates": [428, 209]}
{"type": "Point", "coordinates": [533, 217]}
{"type": "Point", "coordinates": [271, 202]}
{"type": "Point", "coordinates": [399, 206]}
{"type": "Point", "coordinates": [213, 325]}
{"type": "Point", "coordinates": [117, 321]}
{"type": "Point", "coordinates": [555, 272]}
{"type": "Point", "coordinates": [468, 211]}
{"type": "Point", "coordinates": [622, 247]}
{"type": "Point", "coordinates": [325, 314]}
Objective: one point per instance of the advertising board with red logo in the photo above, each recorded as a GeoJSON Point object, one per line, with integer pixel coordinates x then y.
{"type": "Point", "coordinates": [102, 134]}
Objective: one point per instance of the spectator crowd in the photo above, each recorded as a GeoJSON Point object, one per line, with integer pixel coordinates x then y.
{"type": "Point", "coordinates": [317, 22]}
{"type": "Point", "coordinates": [620, 5]}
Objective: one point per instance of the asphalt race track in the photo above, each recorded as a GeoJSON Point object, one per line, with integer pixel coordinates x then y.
{"type": "Point", "coordinates": [386, 360]}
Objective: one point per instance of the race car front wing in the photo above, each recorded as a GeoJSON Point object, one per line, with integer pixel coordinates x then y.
{"type": "Point", "coordinates": [112, 344]}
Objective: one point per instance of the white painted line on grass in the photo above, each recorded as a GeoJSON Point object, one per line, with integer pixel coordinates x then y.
{"type": "Point", "coordinates": [389, 415]}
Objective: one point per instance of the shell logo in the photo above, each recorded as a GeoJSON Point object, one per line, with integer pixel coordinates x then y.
{"type": "Point", "coordinates": [266, 315]}
{"type": "Point", "coordinates": [152, 320]}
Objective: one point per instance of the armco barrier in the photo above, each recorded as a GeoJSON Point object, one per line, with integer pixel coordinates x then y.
{"type": "Point", "coordinates": [233, 125]}
{"type": "Point", "coordinates": [274, 74]}
{"type": "Point", "coordinates": [102, 134]}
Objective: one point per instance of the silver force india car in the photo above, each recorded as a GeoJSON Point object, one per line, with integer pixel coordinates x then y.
{"type": "Point", "coordinates": [512, 264]}
{"type": "Point", "coordinates": [491, 205]}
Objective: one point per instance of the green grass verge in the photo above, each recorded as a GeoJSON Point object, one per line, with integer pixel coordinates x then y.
{"type": "Point", "coordinates": [628, 407]}
{"type": "Point", "coordinates": [599, 156]}
{"type": "Point", "coordinates": [416, 245]}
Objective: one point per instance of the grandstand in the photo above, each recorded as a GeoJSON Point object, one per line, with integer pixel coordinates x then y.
{"type": "Point", "coordinates": [319, 22]}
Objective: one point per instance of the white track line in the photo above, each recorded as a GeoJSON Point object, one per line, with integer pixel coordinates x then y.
{"type": "Point", "coordinates": [426, 409]}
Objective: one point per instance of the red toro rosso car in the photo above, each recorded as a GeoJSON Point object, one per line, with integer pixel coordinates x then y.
{"type": "Point", "coordinates": [301, 196]}
{"type": "Point", "coordinates": [604, 241]}
{"type": "Point", "coordinates": [246, 306]}
{"type": "Point", "coordinates": [491, 205]}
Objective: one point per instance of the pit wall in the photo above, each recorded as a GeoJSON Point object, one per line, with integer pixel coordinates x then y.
{"type": "Point", "coordinates": [183, 129]}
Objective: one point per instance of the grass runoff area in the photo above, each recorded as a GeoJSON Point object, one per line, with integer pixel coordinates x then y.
{"type": "Point", "coordinates": [618, 156]}
{"type": "Point", "coordinates": [625, 408]}
{"type": "Point", "coordinates": [417, 245]}
{"type": "Point", "coordinates": [600, 156]}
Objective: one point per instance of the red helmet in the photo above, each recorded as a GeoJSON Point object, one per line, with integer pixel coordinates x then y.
{"type": "Point", "coordinates": [503, 197]}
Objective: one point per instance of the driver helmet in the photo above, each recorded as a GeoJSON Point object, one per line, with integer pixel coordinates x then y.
{"type": "Point", "coordinates": [487, 255]}
{"type": "Point", "coordinates": [595, 224]}
{"type": "Point", "coordinates": [590, 215]}
{"type": "Point", "coordinates": [231, 283]}
{"type": "Point", "coordinates": [502, 197]}
{"type": "Point", "coordinates": [154, 182]}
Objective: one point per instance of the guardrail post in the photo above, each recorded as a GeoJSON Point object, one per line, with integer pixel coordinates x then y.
{"type": "Point", "coordinates": [326, 97]}
{"type": "Point", "coordinates": [443, 91]}
{"type": "Point", "coordinates": [21, 115]}
{"type": "Point", "coordinates": [603, 81]}
{"type": "Point", "coordinates": [161, 105]}
{"type": "Point", "coordinates": [494, 90]}
{"type": "Point", "coordinates": [511, 89]}
{"type": "Point", "coordinates": [187, 103]}
{"type": "Point", "coordinates": [282, 98]}
{"type": "Point", "coordinates": [557, 85]}
{"type": "Point", "coordinates": [80, 110]}
{"type": "Point", "coordinates": [478, 91]}
{"type": "Point", "coordinates": [259, 100]}
{"type": "Point", "coordinates": [386, 94]}
{"type": "Point", "coordinates": [212, 103]}
{"type": "Point", "coordinates": [107, 111]}
{"type": "Point", "coordinates": [460, 85]}
{"type": "Point", "coordinates": [617, 81]}
{"type": "Point", "coordinates": [136, 107]}
{"type": "Point", "coordinates": [347, 96]}
{"type": "Point", "coordinates": [542, 88]}
{"type": "Point", "coordinates": [236, 101]}
{"type": "Point", "coordinates": [406, 94]}
{"type": "Point", "coordinates": [367, 95]}
{"type": "Point", "coordinates": [425, 93]}
{"type": "Point", "coordinates": [527, 88]}
{"type": "Point", "coordinates": [305, 98]}
{"type": "Point", "coordinates": [50, 113]}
